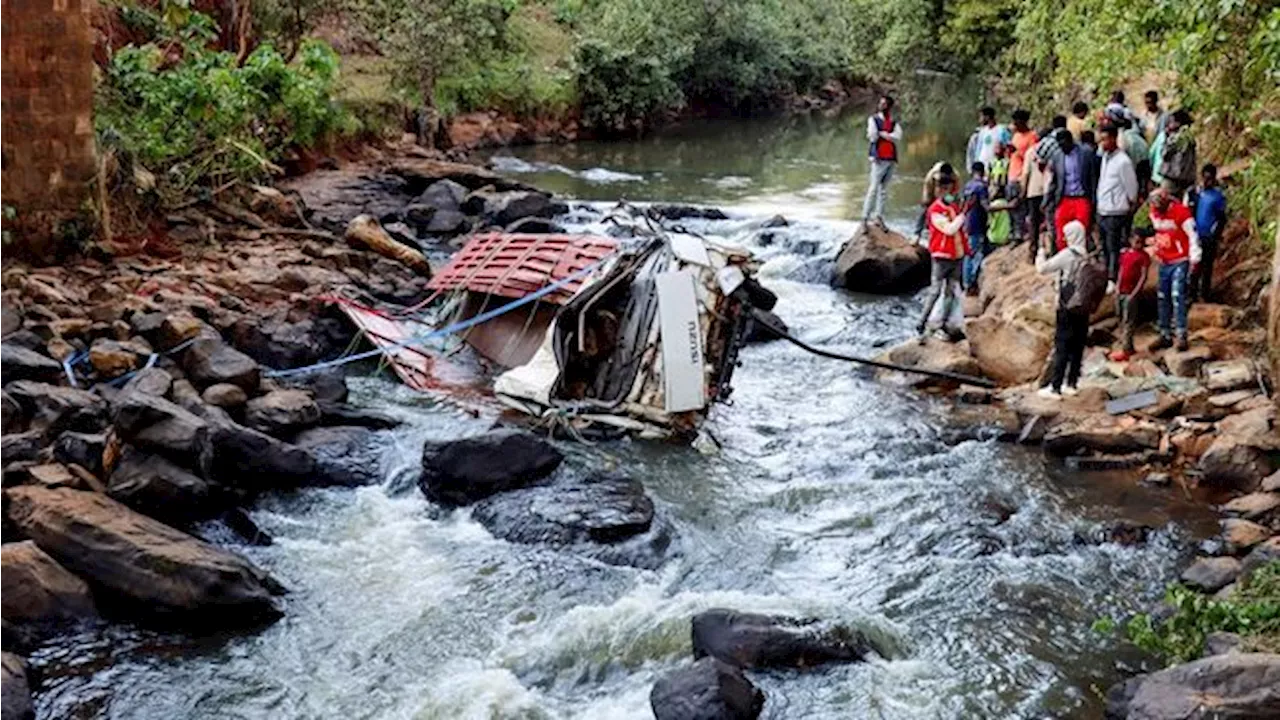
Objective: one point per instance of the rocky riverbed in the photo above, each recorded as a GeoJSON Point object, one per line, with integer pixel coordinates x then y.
{"type": "Point", "coordinates": [143, 416]}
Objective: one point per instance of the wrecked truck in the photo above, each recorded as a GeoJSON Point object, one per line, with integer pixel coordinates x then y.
{"type": "Point", "coordinates": [639, 335]}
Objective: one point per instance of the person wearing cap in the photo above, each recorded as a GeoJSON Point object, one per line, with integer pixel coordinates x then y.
{"type": "Point", "coordinates": [1177, 247]}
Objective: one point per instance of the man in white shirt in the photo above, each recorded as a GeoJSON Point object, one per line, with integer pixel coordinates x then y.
{"type": "Point", "coordinates": [1117, 199]}
{"type": "Point", "coordinates": [884, 135]}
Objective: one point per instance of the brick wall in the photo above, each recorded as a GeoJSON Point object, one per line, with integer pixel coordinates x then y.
{"type": "Point", "coordinates": [47, 133]}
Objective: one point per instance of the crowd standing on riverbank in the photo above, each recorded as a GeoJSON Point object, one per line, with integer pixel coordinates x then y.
{"type": "Point", "coordinates": [1090, 172]}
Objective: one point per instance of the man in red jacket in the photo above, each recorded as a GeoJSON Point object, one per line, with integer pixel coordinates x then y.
{"type": "Point", "coordinates": [947, 248]}
{"type": "Point", "coordinates": [1177, 247]}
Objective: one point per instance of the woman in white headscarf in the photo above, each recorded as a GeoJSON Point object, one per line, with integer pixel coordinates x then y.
{"type": "Point", "coordinates": [1072, 327]}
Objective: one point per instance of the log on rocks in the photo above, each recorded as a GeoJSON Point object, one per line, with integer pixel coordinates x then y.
{"type": "Point", "coordinates": [749, 640]}
{"type": "Point", "coordinates": [140, 565]}
{"type": "Point", "coordinates": [15, 689]}
{"type": "Point", "coordinates": [706, 690]}
{"type": "Point", "coordinates": [883, 262]}
{"type": "Point", "coordinates": [1234, 685]}
{"type": "Point", "coordinates": [463, 471]}
{"type": "Point", "coordinates": [40, 597]}
{"type": "Point", "coordinates": [364, 232]}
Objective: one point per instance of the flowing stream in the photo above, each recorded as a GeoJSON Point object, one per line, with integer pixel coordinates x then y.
{"type": "Point", "coordinates": [833, 496]}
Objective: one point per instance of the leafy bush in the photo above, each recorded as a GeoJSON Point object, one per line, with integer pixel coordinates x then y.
{"type": "Point", "coordinates": [1253, 611]}
{"type": "Point", "coordinates": [199, 118]}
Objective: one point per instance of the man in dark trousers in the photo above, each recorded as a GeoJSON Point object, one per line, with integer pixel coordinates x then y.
{"type": "Point", "coordinates": [1211, 219]}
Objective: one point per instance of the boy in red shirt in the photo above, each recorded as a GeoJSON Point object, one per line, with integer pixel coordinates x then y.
{"type": "Point", "coordinates": [1178, 249]}
{"type": "Point", "coordinates": [1135, 264]}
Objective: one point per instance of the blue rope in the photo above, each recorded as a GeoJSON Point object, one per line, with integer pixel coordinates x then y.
{"type": "Point", "coordinates": [446, 330]}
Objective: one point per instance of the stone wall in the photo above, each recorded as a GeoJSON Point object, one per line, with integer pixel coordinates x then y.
{"type": "Point", "coordinates": [47, 134]}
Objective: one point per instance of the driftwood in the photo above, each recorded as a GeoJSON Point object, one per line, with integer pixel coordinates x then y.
{"type": "Point", "coordinates": [364, 232]}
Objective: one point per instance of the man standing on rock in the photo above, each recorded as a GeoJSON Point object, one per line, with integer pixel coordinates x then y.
{"type": "Point", "coordinates": [947, 248]}
{"type": "Point", "coordinates": [1178, 250]}
{"type": "Point", "coordinates": [1178, 155]}
{"type": "Point", "coordinates": [1211, 219]}
{"type": "Point", "coordinates": [1117, 199]}
{"type": "Point", "coordinates": [884, 133]}
{"type": "Point", "coordinates": [1021, 144]}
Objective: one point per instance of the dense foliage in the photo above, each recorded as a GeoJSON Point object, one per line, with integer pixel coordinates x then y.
{"type": "Point", "coordinates": [1253, 612]}
{"type": "Point", "coordinates": [194, 116]}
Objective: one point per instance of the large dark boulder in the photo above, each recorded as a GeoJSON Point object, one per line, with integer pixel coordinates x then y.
{"type": "Point", "coordinates": [706, 690]}
{"type": "Point", "coordinates": [139, 565]}
{"type": "Point", "coordinates": [20, 363]}
{"type": "Point", "coordinates": [281, 412]}
{"type": "Point", "coordinates": [882, 262]}
{"type": "Point", "coordinates": [156, 424]}
{"type": "Point", "coordinates": [326, 386]}
{"type": "Point", "coordinates": [15, 690]}
{"type": "Point", "coordinates": [250, 460]}
{"type": "Point", "coordinates": [11, 418]}
{"type": "Point", "coordinates": [154, 486]}
{"type": "Point", "coordinates": [750, 640]}
{"type": "Point", "coordinates": [210, 361]}
{"type": "Point", "coordinates": [443, 195]}
{"type": "Point", "coordinates": [277, 343]}
{"type": "Point", "coordinates": [39, 597]}
{"type": "Point", "coordinates": [21, 447]}
{"type": "Point", "coordinates": [459, 472]}
{"type": "Point", "coordinates": [609, 518]}
{"type": "Point", "coordinates": [597, 509]}
{"type": "Point", "coordinates": [344, 455]}
{"type": "Point", "coordinates": [1234, 685]}
{"type": "Point", "coordinates": [53, 408]}
{"type": "Point", "coordinates": [506, 208]}
{"type": "Point", "coordinates": [149, 381]}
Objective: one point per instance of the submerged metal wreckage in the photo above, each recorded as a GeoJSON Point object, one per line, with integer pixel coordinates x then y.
{"type": "Point", "coordinates": [641, 334]}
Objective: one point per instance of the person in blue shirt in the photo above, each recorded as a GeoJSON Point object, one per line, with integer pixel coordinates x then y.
{"type": "Point", "coordinates": [1211, 219]}
{"type": "Point", "coordinates": [977, 202]}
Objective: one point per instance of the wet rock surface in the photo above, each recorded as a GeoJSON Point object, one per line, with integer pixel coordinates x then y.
{"type": "Point", "coordinates": [154, 486]}
{"type": "Point", "coordinates": [706, 690]}
{"type": "Point", "coordinates": [140, 566]}
{"type": "Point", "coordinates": [750, 640]}
{"type": "Point", "coordinates": [15, 689]}
{"type": "Point", "coordinates": [1237, 685]}
{"type": "Point", "coordinates": [40, 597]}
{"type": "Point", "coordinates": [460, 472]}
{"type": "Point", "coordinates": [344, 455]}
{"type": "Point", "coordinates": [607, 517]}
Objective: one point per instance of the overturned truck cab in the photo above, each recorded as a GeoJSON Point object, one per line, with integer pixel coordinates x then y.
{"type": "Point", "coordinates": [647, 344]}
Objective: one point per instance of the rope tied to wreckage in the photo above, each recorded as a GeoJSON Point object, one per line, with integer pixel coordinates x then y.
{"type": "Point", "coordinates": [822, 352]}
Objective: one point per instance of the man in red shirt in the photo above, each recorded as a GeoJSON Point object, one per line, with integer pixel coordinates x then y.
{"type": "Point", "coordinates": [1135, 264]}
{"type": "Point", "coordinates": [1177, 247]}
{"type": "Point", "coordinates": [947, 249]}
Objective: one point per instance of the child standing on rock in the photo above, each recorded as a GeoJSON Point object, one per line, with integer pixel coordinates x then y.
{"type": "Point", "coordinates": [1135, 265]}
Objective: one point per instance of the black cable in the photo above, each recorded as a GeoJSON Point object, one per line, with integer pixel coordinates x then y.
{"type": "Point", "coordinates": [958, 377]}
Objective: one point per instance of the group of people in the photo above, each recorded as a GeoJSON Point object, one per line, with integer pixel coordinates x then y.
{"type": "Point", "coordinates": [1071, 191]}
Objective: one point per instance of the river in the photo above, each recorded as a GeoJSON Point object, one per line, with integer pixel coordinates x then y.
{"type": "Point", "coordinates": [833, 496]}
